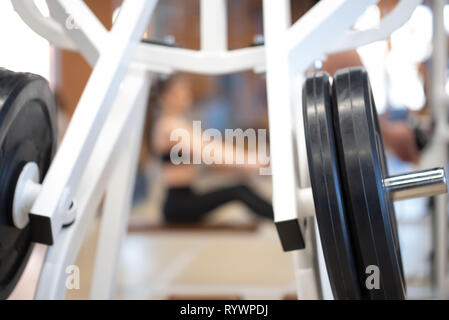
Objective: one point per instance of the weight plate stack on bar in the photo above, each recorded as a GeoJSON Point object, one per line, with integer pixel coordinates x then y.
{"type": "Point", "coordinates": [325, 181]}
{"type": "Point", "coordinates": [348, 168]}
{"type": "Point", "coordinates": [363, 168]}
{"type": "Point", "coordinates": [27, 134]}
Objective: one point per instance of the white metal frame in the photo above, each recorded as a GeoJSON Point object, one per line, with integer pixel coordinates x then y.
{"type": "Point", "coordinates": [441, 139]}
{"type": "Point", "coordinates": [109, 116]}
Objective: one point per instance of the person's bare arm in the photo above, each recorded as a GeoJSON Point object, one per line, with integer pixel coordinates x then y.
{"type": "Point", "coordinates": [167, 136]}
{"type": "Point", "coordinates": [400, 138]}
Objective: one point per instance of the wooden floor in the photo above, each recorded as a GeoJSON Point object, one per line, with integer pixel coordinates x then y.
{"type": "Point", "coordinates": [162, 265]}
{"type": "Point", "coordinates": [232, 257]}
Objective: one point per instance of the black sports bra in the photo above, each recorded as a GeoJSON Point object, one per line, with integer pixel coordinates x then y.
{"type": "Point", "coordinates": [166, 157]}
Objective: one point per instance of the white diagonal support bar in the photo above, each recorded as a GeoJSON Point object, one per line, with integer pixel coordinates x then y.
{"type": "Point", "coordinates": [81, 25]}
{"type": "Point", "coordinates": [46, 27]}
{"type": "Point", "coordinates": [313, 35]}
{"type": "Point", "coordinates": [118, 202]}
{"type": "Point", "coordinates": [394, 20]}
{"type": "Point", "coordinates": [90, 115]}
{"type": "Point", "coordinates": [95, 178]}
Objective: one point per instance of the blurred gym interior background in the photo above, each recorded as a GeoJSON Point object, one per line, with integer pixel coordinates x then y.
{"type": "Point", "coordinates": [232, 254]}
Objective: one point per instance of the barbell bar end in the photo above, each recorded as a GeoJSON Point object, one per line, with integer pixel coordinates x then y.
{"type": "Point", "coordinates": [425, 183]}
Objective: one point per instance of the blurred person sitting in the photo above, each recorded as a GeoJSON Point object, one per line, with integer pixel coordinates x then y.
{"type": "Point", "coordinates": [173, 98]}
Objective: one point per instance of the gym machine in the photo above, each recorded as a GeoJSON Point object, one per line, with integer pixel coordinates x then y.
{"type": "Point", "coordinates": [352, 191]}
{"type": "Point", "coordinates": [52, 200]}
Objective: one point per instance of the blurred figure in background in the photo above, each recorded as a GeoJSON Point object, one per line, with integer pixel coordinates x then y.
{"type": "Point", "coordinates": [173, 98]}
{"type": "Point", "coordinates": [398, 135]}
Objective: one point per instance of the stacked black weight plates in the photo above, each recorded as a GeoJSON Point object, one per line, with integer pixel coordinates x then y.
{"type": "Point", "coordinates": [363, 167]}
{"type": "Point", "coordinates": [27, 134]}
{"type": "Point", "coordinates": [326, 186]}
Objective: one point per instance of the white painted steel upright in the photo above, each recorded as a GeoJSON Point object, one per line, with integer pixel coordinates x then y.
{"type": "Point", "coordinates": [439, 101]}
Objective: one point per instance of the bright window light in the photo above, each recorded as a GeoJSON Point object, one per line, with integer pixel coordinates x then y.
{"type": "Point", "coordinates": [22, 50]}
{"type": "Point", "coordinates": [369, 19]}
{"type": "Point", "coordinates": [394, 74]}
{"type": "Point", "coordinates": [446, 17]}
{"type": "Point", "coordinates": [413, 41]}
{"type": "Point", "coordinates": [405, 85]}
{"type": "Point", "coordinates": [373, 57]}
{"type": "Point", "coordinates": [410, 45]}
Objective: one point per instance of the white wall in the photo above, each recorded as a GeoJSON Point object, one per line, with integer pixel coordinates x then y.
{"type": "Point", "coordinates": [20, 48]}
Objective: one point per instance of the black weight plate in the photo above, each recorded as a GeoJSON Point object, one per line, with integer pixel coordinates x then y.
{"type": "Point", "coordinates": [370, 211]}
{"type": "Point", "coordinates": [27, 134]}
{"type": "Point", "coordinates": [327, 193]}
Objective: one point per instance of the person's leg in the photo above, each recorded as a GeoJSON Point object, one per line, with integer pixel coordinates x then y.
{"type": "Point", "coordinates": [254, 202]}
{"type": "Point", "coordinates": [211, 200]}
{"type": "Point", "coordinates": [187, 207]}
{"type": "Point", "coordinates": [180, 206]}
